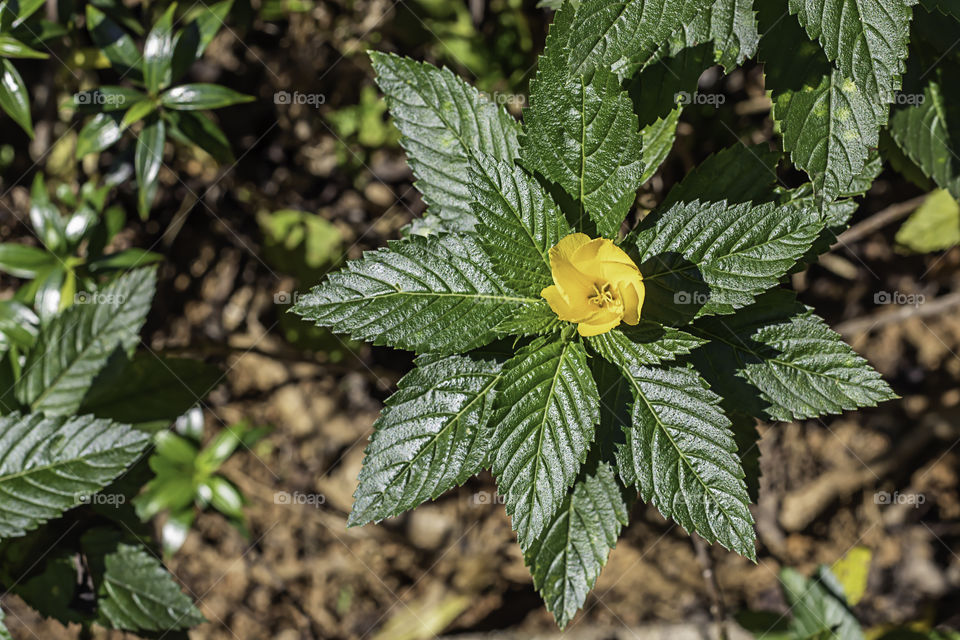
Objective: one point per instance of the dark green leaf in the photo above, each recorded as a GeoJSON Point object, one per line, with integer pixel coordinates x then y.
{"type": "Point", "coordinates": [52, 464]}
{"type": "Point", "coordinates": [546, 409]}
{"type": "Point", "coordinates": [433, 434]}
{"type": "Point", "coordinates": [681, 455]}
{"type": "Point", "coordinates": [866, 39]}
{"type": "Point", "coordinates": [151, 391]}
{"type": "Point", "coordinates": [10, 47]}
{"type": "Point", "coordinates": [115, 43]}
{"type": "Point", "coordinates": [107, 99]}
{"type": "Point", "coordinates": [645, 344]}
{"type": "Point", "coordinates": [137, 594]}
{"type": "Point", "coordinates": [444, 123]}
{"type": "Point", "coordinates": [800, 367]}
{"type": "Point", "coordinates": [737, 251]}
{"type": "Point", "coordinates": [197, 129]}
{"type": "Point", "coordinates": [76, 345]}
{"type": "Point", "coordinates": [518, 224]}
{"type": "Point", "coordinates": [429, 295]}
{"type": "Point", "coordinates": [567, 557]}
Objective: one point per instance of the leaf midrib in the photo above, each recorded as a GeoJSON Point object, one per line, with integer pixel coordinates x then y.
{"type": "Point", "coordinates": [686, 461]}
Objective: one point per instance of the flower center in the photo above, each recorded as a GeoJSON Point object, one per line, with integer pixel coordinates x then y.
{"type": "Point", "coordinates": [602, 295]}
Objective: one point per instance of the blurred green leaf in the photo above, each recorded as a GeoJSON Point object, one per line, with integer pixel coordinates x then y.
{"type": "Point", "coordinates": [852, 571]}
{"type": "Point", "coordinates": [137, 112]}
{"type": "Point", "coordinates": [197, 96]}
{"type": "Point", "coordinates": [224, 497]}
{"type": "Point", "coordinates": [24, 261]}
{"type": "Point", "coordinates": [45, 217]}
{"type": "Point", "coordinates": [934, 226]}
{"type": "Point", "coordinates": [221, 447]}
{"type": "Point", "coordinates": [115, 43]}
{"type": "Point", "coordinates": [100, 133]}
{"type": "Point", "coordinates": [193, 128]}
{"type": "Point", "coordinates": [147, 160]}
{"type": "Point", "coordinates": [18, 324]}
{"type": "Point", "coordinates": [13, 96]}
{"type": "Point", "coordinates": [158, 52]}
{"type": "Point", "coordinates": [47, 301]}
{"type": "Point", "coordinates": [174, 531]}
{"type": "Point", "coordinates": [126, 259]}
{"type": "Point", "coordinates": [10, 47]}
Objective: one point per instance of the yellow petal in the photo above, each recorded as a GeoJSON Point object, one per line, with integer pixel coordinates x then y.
{"type": "Point", "coordinates": [559, 303]}
{"type": "Point", "coordinates": [588, 329]}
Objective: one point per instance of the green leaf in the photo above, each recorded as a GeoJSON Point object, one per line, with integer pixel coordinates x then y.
{"type": "Point", "coordinates": [925, 135]}
{"type": "Point", "coordinates": [158, 52]}
{"type": "Point", "coordinates": [150, 391]}
{"type": "Point", "coordinates": [137, 112]}
{"type": "Point", "coordinates": [567, 558]}
{"type": "Point", "coordinates": [432, 436]}
{"type": "Point", "coordinates": [45, 217]}
{"type": "Point", "coordinates": [828, 123]}
{"type": "Point", "coordinates": [444, 123]}
{"type": "Point", "coordinates": [138, 594]}
{"type": "Point", "coordinates": [75, 346]}
{"type": "Point", "coordinates": [819, 606]}
{"type": "Point", "coordinates": [799, 366]}
{"type": "Point", "coordinates": [617, 34]}
{"type": "Point", "coordinates": [203, 23]}
{"type": "Point", "coordinates": [736, 174]}
{"type": "Point", "coordinates": [197, 96]}
{"type": "Point", "coordinates": [737, 251]}
{"type": "Point", "coordinates": [682, 456]}
{"type": "Point", "coordinates": [546, 409]}
{"type": "Point", "coordinates": [100, 133]}
{"type": "Point", "coordinates": [18, 324]}
{"type": "Point", "coordinates": [225, 497]}
{"type": "Point", "coordinates": [4, 634]}
{"type": "Point", "coordinates": [518, 224]}
{"type": "Point", "coordinates": [581, 133]}
{"type": "Point", "coordinates": [731, 25]}
{"type": "Point", "coordinates": [645, 344]}
{"type": "Point", "coordinates": [866, 39]}
{"type": "Point", "coordinates": [147, 161]}
{"type": "Point", "coordinates": [23, 261]}
{"type": "Point", "coordinates": [934, 226]}
{"type": "Point", "coordinates": [10, 47]}
{"type": "Point", "coordinates": [123, 260]}
{"type": "Point", "coordinates": [531, 319]}
{"type": "Point", "coordinates": [51, 464]}
{"type": "Point", "coordinates": [197, 129]}
{"type": "Point", "coordinates": [14, 98]}
{"type": "Point", "coordinates": [430, 295]}
{"type": "Point", "coordinates": [115, 43]}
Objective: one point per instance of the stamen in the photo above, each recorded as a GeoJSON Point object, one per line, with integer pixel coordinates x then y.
{"type": "Point", "coordinates": [602, 295]}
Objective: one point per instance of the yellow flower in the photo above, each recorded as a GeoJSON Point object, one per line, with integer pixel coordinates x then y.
{"type": "Point", "coordinates": [596, 284]}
